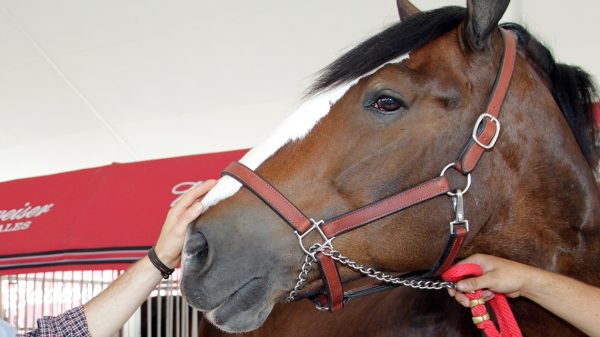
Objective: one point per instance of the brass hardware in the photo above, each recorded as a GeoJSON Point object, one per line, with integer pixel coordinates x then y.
{"type": "Point", "coordinates": [480, 319]}
{"type": "Point", "coordinates": [476, 302]}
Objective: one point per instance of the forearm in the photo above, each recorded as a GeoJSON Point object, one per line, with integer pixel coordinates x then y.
{"type": "Point", "coordinates": [574, 301]}
{"type": "Point", "coordinates": [107, 312]}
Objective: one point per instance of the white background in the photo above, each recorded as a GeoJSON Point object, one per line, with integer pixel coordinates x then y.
{"type": "Point", "coordinates": [87, 83]}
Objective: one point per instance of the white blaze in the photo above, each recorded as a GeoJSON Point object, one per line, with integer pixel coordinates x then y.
{"type": "Point", "coordinates": [295, 127]}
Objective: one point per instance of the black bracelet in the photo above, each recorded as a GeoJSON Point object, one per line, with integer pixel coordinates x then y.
{"type": "Point", "coordinates": [164, 270]}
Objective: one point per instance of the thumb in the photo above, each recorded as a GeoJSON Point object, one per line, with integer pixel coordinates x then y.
{"type": "Point", "coordinates": [474, 283]}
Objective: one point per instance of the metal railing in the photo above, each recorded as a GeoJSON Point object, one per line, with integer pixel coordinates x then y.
{"type": "Point", "coordinates": [24, 298]}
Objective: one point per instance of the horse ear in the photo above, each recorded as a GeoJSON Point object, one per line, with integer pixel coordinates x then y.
{"type": "Point", "coordinates": [483, 16]}
{"type": "Point", "coordinates": [406, 9]}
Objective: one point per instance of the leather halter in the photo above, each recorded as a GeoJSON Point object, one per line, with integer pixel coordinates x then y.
{"type": "Point", "coordinates": [485, 134]}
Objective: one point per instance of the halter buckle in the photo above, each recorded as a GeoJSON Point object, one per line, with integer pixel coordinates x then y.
{"type": "Point", "coordinates": [316, 225]}
{"type": "Point", "coordinates": [459, 212]}
{"type": "Point", "coordinates": [496, 133]}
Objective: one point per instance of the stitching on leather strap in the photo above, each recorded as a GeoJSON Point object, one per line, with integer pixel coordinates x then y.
{"type": "Point", "coordinates": [331, 281]}
{"type": "Point", "coordinates": [356, 213]}
{"type": "Point", "coordinates": [235, 167]}
{"type": "Point", "coordinates": [472, 152]}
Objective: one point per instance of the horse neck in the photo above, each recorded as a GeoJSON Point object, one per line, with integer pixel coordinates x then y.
{"type": "Point", "coordinates": [545, 197]}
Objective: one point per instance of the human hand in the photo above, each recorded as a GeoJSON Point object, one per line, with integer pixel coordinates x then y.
{"type": "Point", "coordinates": [170, 242]}
{"type": "Point", "coordinates": [499, 275]}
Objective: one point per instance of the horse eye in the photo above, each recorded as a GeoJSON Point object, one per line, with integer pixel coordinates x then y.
{"type": "Point", "coordinates": [387, 104]}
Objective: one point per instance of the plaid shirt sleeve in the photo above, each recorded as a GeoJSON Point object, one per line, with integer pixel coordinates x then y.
{"type": "Point", "coordinates": [72, 323]}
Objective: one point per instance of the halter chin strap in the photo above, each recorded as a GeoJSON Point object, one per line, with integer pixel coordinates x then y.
{"type": "Point", "coordinates": [485, 134]}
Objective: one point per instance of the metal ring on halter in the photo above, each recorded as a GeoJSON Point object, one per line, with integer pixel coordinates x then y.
{"type": "Point", "coordinates": [453, 164]}
{"type": "Point", "coordinates": [320, 307]}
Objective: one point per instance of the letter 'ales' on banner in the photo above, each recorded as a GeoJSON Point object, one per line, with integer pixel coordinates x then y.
{"type": "Point", "coordinates": [99, 218]}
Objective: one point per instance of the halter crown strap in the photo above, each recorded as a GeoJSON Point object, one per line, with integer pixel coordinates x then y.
{"type": "Point", "coordinates": [487, 127]}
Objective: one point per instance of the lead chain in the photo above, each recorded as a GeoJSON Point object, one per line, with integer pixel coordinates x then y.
{"type": "Point", "coordinates": [381, 276]}
{"type": "Point", "coordinates": [367, 271]}
{"type": "Point", "coordinates": [304, 271]}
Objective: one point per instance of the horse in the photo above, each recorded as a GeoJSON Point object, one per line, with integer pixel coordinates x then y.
{"type": "Point", "coordinates": [386, 116]}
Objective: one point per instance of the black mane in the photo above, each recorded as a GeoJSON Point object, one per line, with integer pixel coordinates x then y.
{"type": "Point", "coordinates": [397, 40]}
{"type": "Point", "coordinates": [572, 88]}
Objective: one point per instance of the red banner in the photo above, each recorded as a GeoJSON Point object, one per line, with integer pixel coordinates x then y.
{"type": "Point", "coordinates": [99, 218]}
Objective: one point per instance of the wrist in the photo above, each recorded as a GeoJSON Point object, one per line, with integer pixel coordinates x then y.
{"type": "Point", "coordinates": [159, 264]}
{"type": "Point", "coordinates": [166, 258]}
{"type": "Point", "coordinates": [533, 283]}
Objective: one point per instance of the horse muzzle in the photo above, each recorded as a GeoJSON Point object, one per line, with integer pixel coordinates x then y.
{"type": "Point", "coordinates": [233, 272]}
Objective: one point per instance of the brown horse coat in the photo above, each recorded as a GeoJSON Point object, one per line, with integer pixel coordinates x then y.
{"type": "Point", "coordinates": [533, 199]}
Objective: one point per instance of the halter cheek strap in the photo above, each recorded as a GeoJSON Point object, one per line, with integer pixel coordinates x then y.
{"type": "Point", "coordinates": [332, 284]}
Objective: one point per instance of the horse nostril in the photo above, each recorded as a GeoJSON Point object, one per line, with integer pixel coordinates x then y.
{"type": "Point", "coordinates": [196, 249]}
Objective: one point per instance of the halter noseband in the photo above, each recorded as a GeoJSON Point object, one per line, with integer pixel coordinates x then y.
{"type": "Point", "coordinates": [485, 134]}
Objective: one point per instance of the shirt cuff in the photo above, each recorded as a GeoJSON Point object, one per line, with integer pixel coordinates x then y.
{"type": "Point", "coordinates": [71, 323]}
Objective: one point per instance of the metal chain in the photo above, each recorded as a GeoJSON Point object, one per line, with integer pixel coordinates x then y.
{"type": "Point", "coordinates": [367, 271]}
{"type": "Point", "coordinates": [304, 271]}
{"type": "Point", "coordinates": [381, 276]}
{"type": "Point", "coordinates": [328, 250]}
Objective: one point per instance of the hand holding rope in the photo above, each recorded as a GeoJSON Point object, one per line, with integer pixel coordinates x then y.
{"type": "Point", "coordinates": [508, 326]}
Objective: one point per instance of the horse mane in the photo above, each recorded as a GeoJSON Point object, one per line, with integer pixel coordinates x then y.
{"type": "Point", "coordinates": [396, 40]}
{"type": "Point", "coordinates": [571, 87]}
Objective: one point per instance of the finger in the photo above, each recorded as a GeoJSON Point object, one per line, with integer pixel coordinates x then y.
{"type": "Point", "coordinates": [194, 193]}
{"type": "Point", "coordinates": [513, 294]}
{"type": "Point", "coordinates": [462, 299]}
{"type": "Point", "coordinates": [191, 214]}
{"type": "Point", "coordinates": [451, 292]}
{"type": "Point", "coordinates": [488, 295]}
{"type": "Point", "coordinates": [476, 283]}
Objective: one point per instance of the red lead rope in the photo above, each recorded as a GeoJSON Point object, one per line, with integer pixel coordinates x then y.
{"type": "Point", "coordinates": [506, 320]}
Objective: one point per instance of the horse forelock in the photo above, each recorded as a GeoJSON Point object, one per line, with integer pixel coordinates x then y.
{"type": "Point", "coordinates": [398, 39]}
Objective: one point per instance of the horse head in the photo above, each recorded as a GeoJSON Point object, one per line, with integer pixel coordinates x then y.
{"type": "Point", "coordinates": [389, 115]}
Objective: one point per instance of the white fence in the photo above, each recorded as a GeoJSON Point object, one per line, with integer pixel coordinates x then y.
{"type": "Point", "coordinates": [26, 297]}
